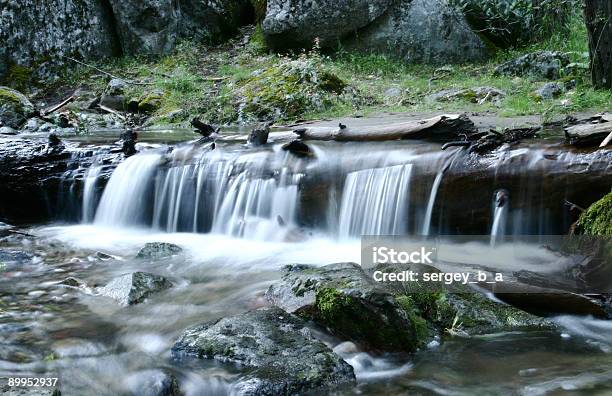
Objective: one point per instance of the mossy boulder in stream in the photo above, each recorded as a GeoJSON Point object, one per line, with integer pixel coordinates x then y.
{"type": "Point", "coordinates": [597, 220]}
{"type": "Point", "coordinates": [391, 316]}
{"type": "Point", "coordinates": [344, 299]}
{"type": "Point", "coordinates": [15, 108]}
{"type": "Point", "coordinates": [277, 350]}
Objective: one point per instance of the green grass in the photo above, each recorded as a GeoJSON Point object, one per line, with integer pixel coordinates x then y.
{"type": "Point", "coordinates": [204, 81]}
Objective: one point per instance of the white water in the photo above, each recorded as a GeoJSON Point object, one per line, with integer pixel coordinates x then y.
{"type": "Point", "coordinates": [125, 197]}
{"type": "Point", "coordinates": [375, 202]}
{"type": "Point", "coordinates": [431, 202]}
{"type": "Point", "coordinates": [499, 216]}
{"type": "Point", "coordinates": [89, 190]}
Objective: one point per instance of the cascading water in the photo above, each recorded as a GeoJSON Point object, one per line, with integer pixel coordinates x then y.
{"type": "Point", "coordinates": [375, 202]}
{"type": "Point", "coordinates": [125, 198]}
{"type": "Point", "coordinates": [434, 193]}
{"type": "Point", "coordinates": [89, 192]}
{"type": "Point", "coordinates": [500, 213]}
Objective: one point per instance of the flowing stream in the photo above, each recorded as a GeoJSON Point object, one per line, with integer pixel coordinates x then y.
{"type": "Point", "coordinates": [242, 213]}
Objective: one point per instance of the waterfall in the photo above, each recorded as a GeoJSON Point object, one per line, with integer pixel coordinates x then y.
{"type": "Point", "coordinates": [89, 193]}
{"type": "Point", "coordinates": [434, 193]}
{"type": "Point", "coordinates": [125, 199]}
{"type": "Point", "coordinates": [253, 196]}
{"type": "Point", "coordinates": [375, 202]}
{"type": "Point", "coordinates": [500, 202]}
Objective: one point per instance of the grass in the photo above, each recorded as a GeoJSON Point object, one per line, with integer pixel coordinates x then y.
{"type": "Point", "coordinates": [205, 81]}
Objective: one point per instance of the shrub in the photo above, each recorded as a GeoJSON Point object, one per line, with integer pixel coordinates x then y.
{"type": "Point", "coordinates": [511, 23]}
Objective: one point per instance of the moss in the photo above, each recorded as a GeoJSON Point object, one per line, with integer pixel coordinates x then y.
{"type": "Point", "coordinates": [19, 76]}
{"type": "Point", "coordinates": [150, 103]}
{"type": "Point", "coordinates": [11, 97]}
{"type": "Point", "coordinates": [597, 220]}
{"type": "Point", "coordinates": [376, 325]}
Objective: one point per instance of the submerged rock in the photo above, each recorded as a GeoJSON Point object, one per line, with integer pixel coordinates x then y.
{"type": "Point", "coordinates": [134, 288]}
{"type": "Point", "coordinates": [158, 250]}
{"type": "Point", "coordinates": [343, 298]}
{"type": "Point", "coordinates": [281, 354]}
{"type": "Point", "coordinates": [15, 108]}
{"type": "Point", "coordinates": [542, 64]}
{"type": "Point", "coordinates": [152, 383]}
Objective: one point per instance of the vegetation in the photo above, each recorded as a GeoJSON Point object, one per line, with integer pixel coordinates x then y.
{"type": "Point", "coordinates": [241, 81]}
{"type": "Point", "coordinates": [597, 220]}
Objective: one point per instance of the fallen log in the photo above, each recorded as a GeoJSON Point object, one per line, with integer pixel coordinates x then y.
{"type": "Point", "coordinates": [588, 134]}
{"type": "Point", "coordinates": [440, 128]}
{"type": "Point", "coordinates": [58, 106]}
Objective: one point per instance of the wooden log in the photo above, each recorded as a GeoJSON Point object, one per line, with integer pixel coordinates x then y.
{"type": "Point", "coordinates": [588, 134]}
{"type": "Point", "coordinates": [440, 128]}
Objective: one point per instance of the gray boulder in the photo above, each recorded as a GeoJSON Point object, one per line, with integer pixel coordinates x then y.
{"type": "Point", "coordinates": [541, 64]}
{"type": "Point", "coordinates": [478, 95]}
{"type": "Point", "coordinates": [549, 91]}
{"type": "Point", "coordinates": [35, 32]}
{"type": "Point", "coordinates": [296, 23]}
{"type": "Point", "coordinates": [158, 250]}
{"type": "Point", "coordinates": [134, 288]}
{"type": "Point", "coordinates": [412, 30]}
{"type": "Point", "coordinates": [114, 94]}
{"type": "Point", "coordinates": [6, 130]}
{"type": "Point", "coordinates": [428, 31]}
{"type": "Point", "coordinates": [213, 21]}
{"type": "Point", "coordinates": [278, 349]}
{"type": "Point", "coordinates": [15, 108]}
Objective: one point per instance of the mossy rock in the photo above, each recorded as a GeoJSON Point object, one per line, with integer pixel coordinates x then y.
{"type": "Point", "coordinates": [287, 90]}
{"type": "Point", "coordinates": [150, 102]}
{"type": "Point", "coordinates": [597, 220]}
{"type": "Point", "coordinates": [15, 108]}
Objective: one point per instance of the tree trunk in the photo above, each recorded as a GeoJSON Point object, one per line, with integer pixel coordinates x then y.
{"type": "Point", "coordinates": [598, 16]}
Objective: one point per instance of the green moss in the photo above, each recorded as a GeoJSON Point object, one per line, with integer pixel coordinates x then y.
{"type": "Point", "coordinates": [378, 326]}
{"type": "Point", "coordinates": [150, 103]}
{"type": "Point", "coordinates": [597, 220]}
{"type": "Point", "coordinates": [8, 96]}
{"type": "Point", "coordinates": [19, 76]}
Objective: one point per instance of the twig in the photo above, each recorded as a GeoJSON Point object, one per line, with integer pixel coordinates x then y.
{"type": "Point", "coordinates": [107, 73]}
{"type": "Point", "coordinates": [215, 78]}
{"type": "Point", "coordinates": [606, 141]}
{"type": "Point", "coordinates": [109, 110]}
{"type": "Point", "coordinates": [58, 106]}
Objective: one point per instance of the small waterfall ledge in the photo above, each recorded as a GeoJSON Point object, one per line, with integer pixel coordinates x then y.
{"type": "Point", "coordinates": [347, 191]}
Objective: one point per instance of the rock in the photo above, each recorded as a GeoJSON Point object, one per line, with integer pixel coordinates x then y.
{"type": "Point", "coordinates": [158, 250]}
{"type": "Point", "coordinates": [213, 22]}
{"type": "Point", "coordinates": [15, 108]}
{"type": "Point", "coordinates": [296, 24]}
{"type": "Point", "coordinates": [134, 288]}
{"type": "Point", "coordinates": [549, 91]}
{"type": "Point", "coordinates": [542, 64]}
{"type": "Point", "coordinates": [298, 148]}
{"type": "Point", "coordinates": [478, 95]}
{"type": "Point", "coordinates": [73, 282]}
{"type": "Point", "coordinates": [259, 136]}
{"type": "Point", "coordinates": [150, 102]}
{"type": "Point", "coordinates": [113, 96]}
{"type": "Point", "coordinates": [421, 31]}
{"type": "Point", "coordinates": [343, 298]}
{"type": "Point", "coordinates": [597, 220]}
{"type": "Point", "coordinates": [278, 349]}
{"type": "Point", "coordinates": [5, 130]}
{"type": "Point", "coordinates": [393, 92]}
{"type": "Point", "coordinates": [588, 134]}
{"type": "Point", "coordinates": [152, 383]}
{"type": "Point", "coordinates": [415, 31]}
{"type": "Point", "coordinates": [36, 35]}
{"type": "Point", "coordinates": [15, 257]}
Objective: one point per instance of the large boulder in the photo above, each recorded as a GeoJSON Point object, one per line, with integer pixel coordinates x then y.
{"type": "Point", "coordinates": [413, 30]}
{"type": "Point", "coordinates": [14, 108]}
{"type": "Point", "coordinates": [343, 298]}
{"type": "Point", "coordinates": [296, 23]}
{"type": "Point", "coordinates": [429, 31]}
{"type": "Point", "coordinates": [279, 351]}
{"type": "Point", "coordinates": [35, 33]}
{"type": "Point", "coordinates": [158, 250]}
{"type": "Point", "coordinates": [213, 21]}
{"type": "Point", "coordinates": [392, 316]}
